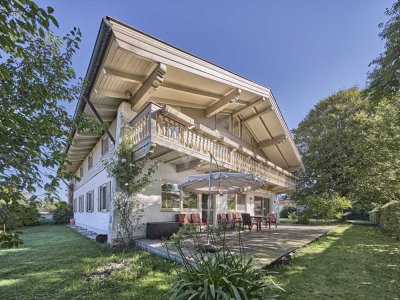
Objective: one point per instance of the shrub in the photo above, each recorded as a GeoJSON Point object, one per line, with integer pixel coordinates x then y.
{"type": "Point", "coordinates": [286, 210]}
{"type": "Point", "coordinates": [62, 213]}
{"type": "Point", "coordinates": [221, 275]}
{"type": "Point", "coordinates": [389, 218]}
{"type": "Point", "coordinates": [357, 213]}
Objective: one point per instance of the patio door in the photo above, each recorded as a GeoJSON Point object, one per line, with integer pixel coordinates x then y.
{"type": "Point", "coordinates": [261, 206]}
{"type": "Point", "coordinates": [204, 207]}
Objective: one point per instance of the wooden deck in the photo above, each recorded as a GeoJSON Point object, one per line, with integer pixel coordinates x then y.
{"type": "Point", "coordinates": [267, 245]}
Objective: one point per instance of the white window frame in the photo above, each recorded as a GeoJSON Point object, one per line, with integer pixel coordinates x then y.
{"type": "Point", "coordinates": [81, 200]}
{"type": "Point", "coordinates": [105, 141]}
{"type": "Point", "coordinates": [90, 199]}
{"type": "Point", "coordinates": [103, 202]}
{"type": "Point", "coordinates": [180, 208]}
{"type": "Point", "coordinates": [236, 204]}
{"type": "Point", "coordinates": [90, 160]}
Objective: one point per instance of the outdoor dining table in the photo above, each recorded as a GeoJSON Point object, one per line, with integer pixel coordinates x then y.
{"type": "Point", "coordinates": [259, 221]}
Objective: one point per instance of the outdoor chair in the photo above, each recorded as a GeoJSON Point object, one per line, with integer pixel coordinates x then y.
{"type": "Point", "coordinates": [182, 219]}
{"type": "Point", "coordinates": [248, 221]}
{"type": "Point", "coordinates": [225, 219]}
{"type": "Point", "coordinates": [271, 218]}
{"type": "Point", "coordinates": [196, 220]}
{"type": "Point", "coordinates": [230, 219]}
{"type": "Point", "coordinates": [238, 218]}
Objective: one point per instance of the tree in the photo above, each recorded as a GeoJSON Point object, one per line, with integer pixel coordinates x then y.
{"type": "Point", "coordinates": [328, 138]}
{"type": "Point", "coordinates": [20, 21]}
{"type": "Point", "coordinates": [384, 79]}
{"type": "Point", "coordinates": [351, 148]}
{"type": "Point", "coordinates": [37, 75]}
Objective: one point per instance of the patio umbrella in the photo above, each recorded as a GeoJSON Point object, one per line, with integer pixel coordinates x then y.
{"type": "Point", "coordinates": [221, 183]}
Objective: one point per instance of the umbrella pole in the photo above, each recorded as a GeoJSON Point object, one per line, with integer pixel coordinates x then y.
{"type": "Point", "coordinates": [209, 200]}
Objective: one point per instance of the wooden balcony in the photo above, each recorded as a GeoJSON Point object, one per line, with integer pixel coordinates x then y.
{"type": "Point", "coordinates": [166, 134]}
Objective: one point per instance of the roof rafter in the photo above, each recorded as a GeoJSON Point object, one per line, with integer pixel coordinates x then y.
{"type": "Point", "coordinates": [148, 87]}
{"type": "Point", "coordinates": [258, 114]}
{"type": "Point", "coordinates": [272, 142]}
{"type": "Point", "coordinates": [223, 103]}
{"type": "Point", "coordinates": [249, 105]}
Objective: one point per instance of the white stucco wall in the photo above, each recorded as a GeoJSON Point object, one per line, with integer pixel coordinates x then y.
{"type": "Point", "coordinates": [95, 221]}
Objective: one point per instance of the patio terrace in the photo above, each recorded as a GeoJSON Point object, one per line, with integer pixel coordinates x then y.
{"type": "Point", "coordinates": [266, 246]}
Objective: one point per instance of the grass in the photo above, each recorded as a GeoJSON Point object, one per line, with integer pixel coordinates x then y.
{"type": "Point", "coordinates": [314, 222]}
{"type": "Point", "coordinates": [353, 262]}
{"type": "Point", "coordinates": [53, 262]}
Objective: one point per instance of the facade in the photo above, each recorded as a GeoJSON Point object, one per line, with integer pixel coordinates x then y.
{"type": "Point", "coordinates": [179, 109]}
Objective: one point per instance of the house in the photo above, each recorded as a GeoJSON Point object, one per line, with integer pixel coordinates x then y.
{"type": "Point", "coordinates": [181, 109]}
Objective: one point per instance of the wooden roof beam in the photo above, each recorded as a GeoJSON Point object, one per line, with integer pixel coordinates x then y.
{"type": "Point", "coordinates": [106, 107]}
{"type": "Point", "coordinates": [257, 114]}
{"type": "Point", "coordinates": [223, 103]}
{"type": "Point", "coordinates": [249, 105]}
{"type": "Point", "coordinates": [148, 87]}
{"type": "Point", "coordinates": [272, 142]}
{"type": "Point", "coordinates": [113, 94]}
{"type": "Point", "coordinates": [122, 75]}
{"type": "Point", "coordinates": [189, 90]}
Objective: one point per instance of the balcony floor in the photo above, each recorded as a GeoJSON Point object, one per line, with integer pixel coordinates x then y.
{"type": "Point", "coordinates": [267, 245]}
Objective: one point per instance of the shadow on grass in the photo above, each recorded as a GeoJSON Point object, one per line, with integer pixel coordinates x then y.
{"type": "Point", "coordinates": [353, 262]}
{"type": "Point", "coordinates": [53, 262]}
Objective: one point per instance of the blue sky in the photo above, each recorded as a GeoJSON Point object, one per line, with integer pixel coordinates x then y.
{"type": "Point", "coordinates": [302, 50]}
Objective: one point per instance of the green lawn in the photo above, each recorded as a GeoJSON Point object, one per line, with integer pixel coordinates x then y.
{"type": "Point", "coordinates": [354, 262]}
{"type": "Point", "coordinates": [54, 260]}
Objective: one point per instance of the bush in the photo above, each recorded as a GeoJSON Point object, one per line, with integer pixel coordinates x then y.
{"type": "Point", "coordinates": [286, 210]}
{"type": "Point", "coordinates": [389, 218]}
{"type": "Point", "coordinates": [356, 213]}
{"type": "Point", "coordinates": [221, 275]}
{"type": "Point", "coordinates": [62, 213]}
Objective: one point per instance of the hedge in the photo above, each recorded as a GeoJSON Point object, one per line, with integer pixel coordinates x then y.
{"type": "Point", "coordinates": [388, 218]}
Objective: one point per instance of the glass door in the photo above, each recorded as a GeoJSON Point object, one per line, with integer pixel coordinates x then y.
{"type": "Point", "coordinates": [204, 206]}
{"type": "Point", "coordinates": [261, 206]}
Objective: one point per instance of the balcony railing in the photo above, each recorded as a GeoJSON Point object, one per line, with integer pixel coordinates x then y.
{"type": "Point", "coordinates": [153, 126]}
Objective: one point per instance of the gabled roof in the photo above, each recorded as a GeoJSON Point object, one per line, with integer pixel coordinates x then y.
{"type": "Point", "coordinates": [129, 65]}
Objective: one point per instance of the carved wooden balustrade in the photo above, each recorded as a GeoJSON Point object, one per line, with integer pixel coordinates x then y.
{"type": "Point", "coordinates": [170, 128]}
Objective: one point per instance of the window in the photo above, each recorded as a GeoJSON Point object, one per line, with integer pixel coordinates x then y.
{"type": "Point", "coordinates": [75, 205]}
{"type": "Point", "coordinates": [223, 121]}
{"type": "Point", "coordinates": [236, 126]}
{"type": "Point", "coordinates": [241, 202]}
{"type": "Point", "coordinates": [80, 172]}
{"type": "Point", "coordinates": [189, 200]}
{"type": "Point", "coordinates": [90, 201]}
{"type": "Point", "coordinates": [228, 123]}
{"type": "Point", "coordinates": [81, 203]}
{"type": "Point", "coordinates": [231, 199]}
{"type": "Point", "coordinates": [104, 196]}
{"type": "Point", "coordinates": [104, 145]}
{"type": "Point", "coordinates": [261, 206]}
{"type": "Point", "coordinates": [90, 161]}
{"type": "Point", "coordinates": [236, 202]}
{"type": "Point", "coordinates": [170, 196]}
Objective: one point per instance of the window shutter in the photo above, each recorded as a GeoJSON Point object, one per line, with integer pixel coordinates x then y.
{"type": "Point", "coordinates": [99, 198]}
{"type": "Point", "coordinates": [92, 199]}
{"type": "Point", "coordinates": [108, 193]}
{"type": "Point", "coordinates": [75, 208]}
